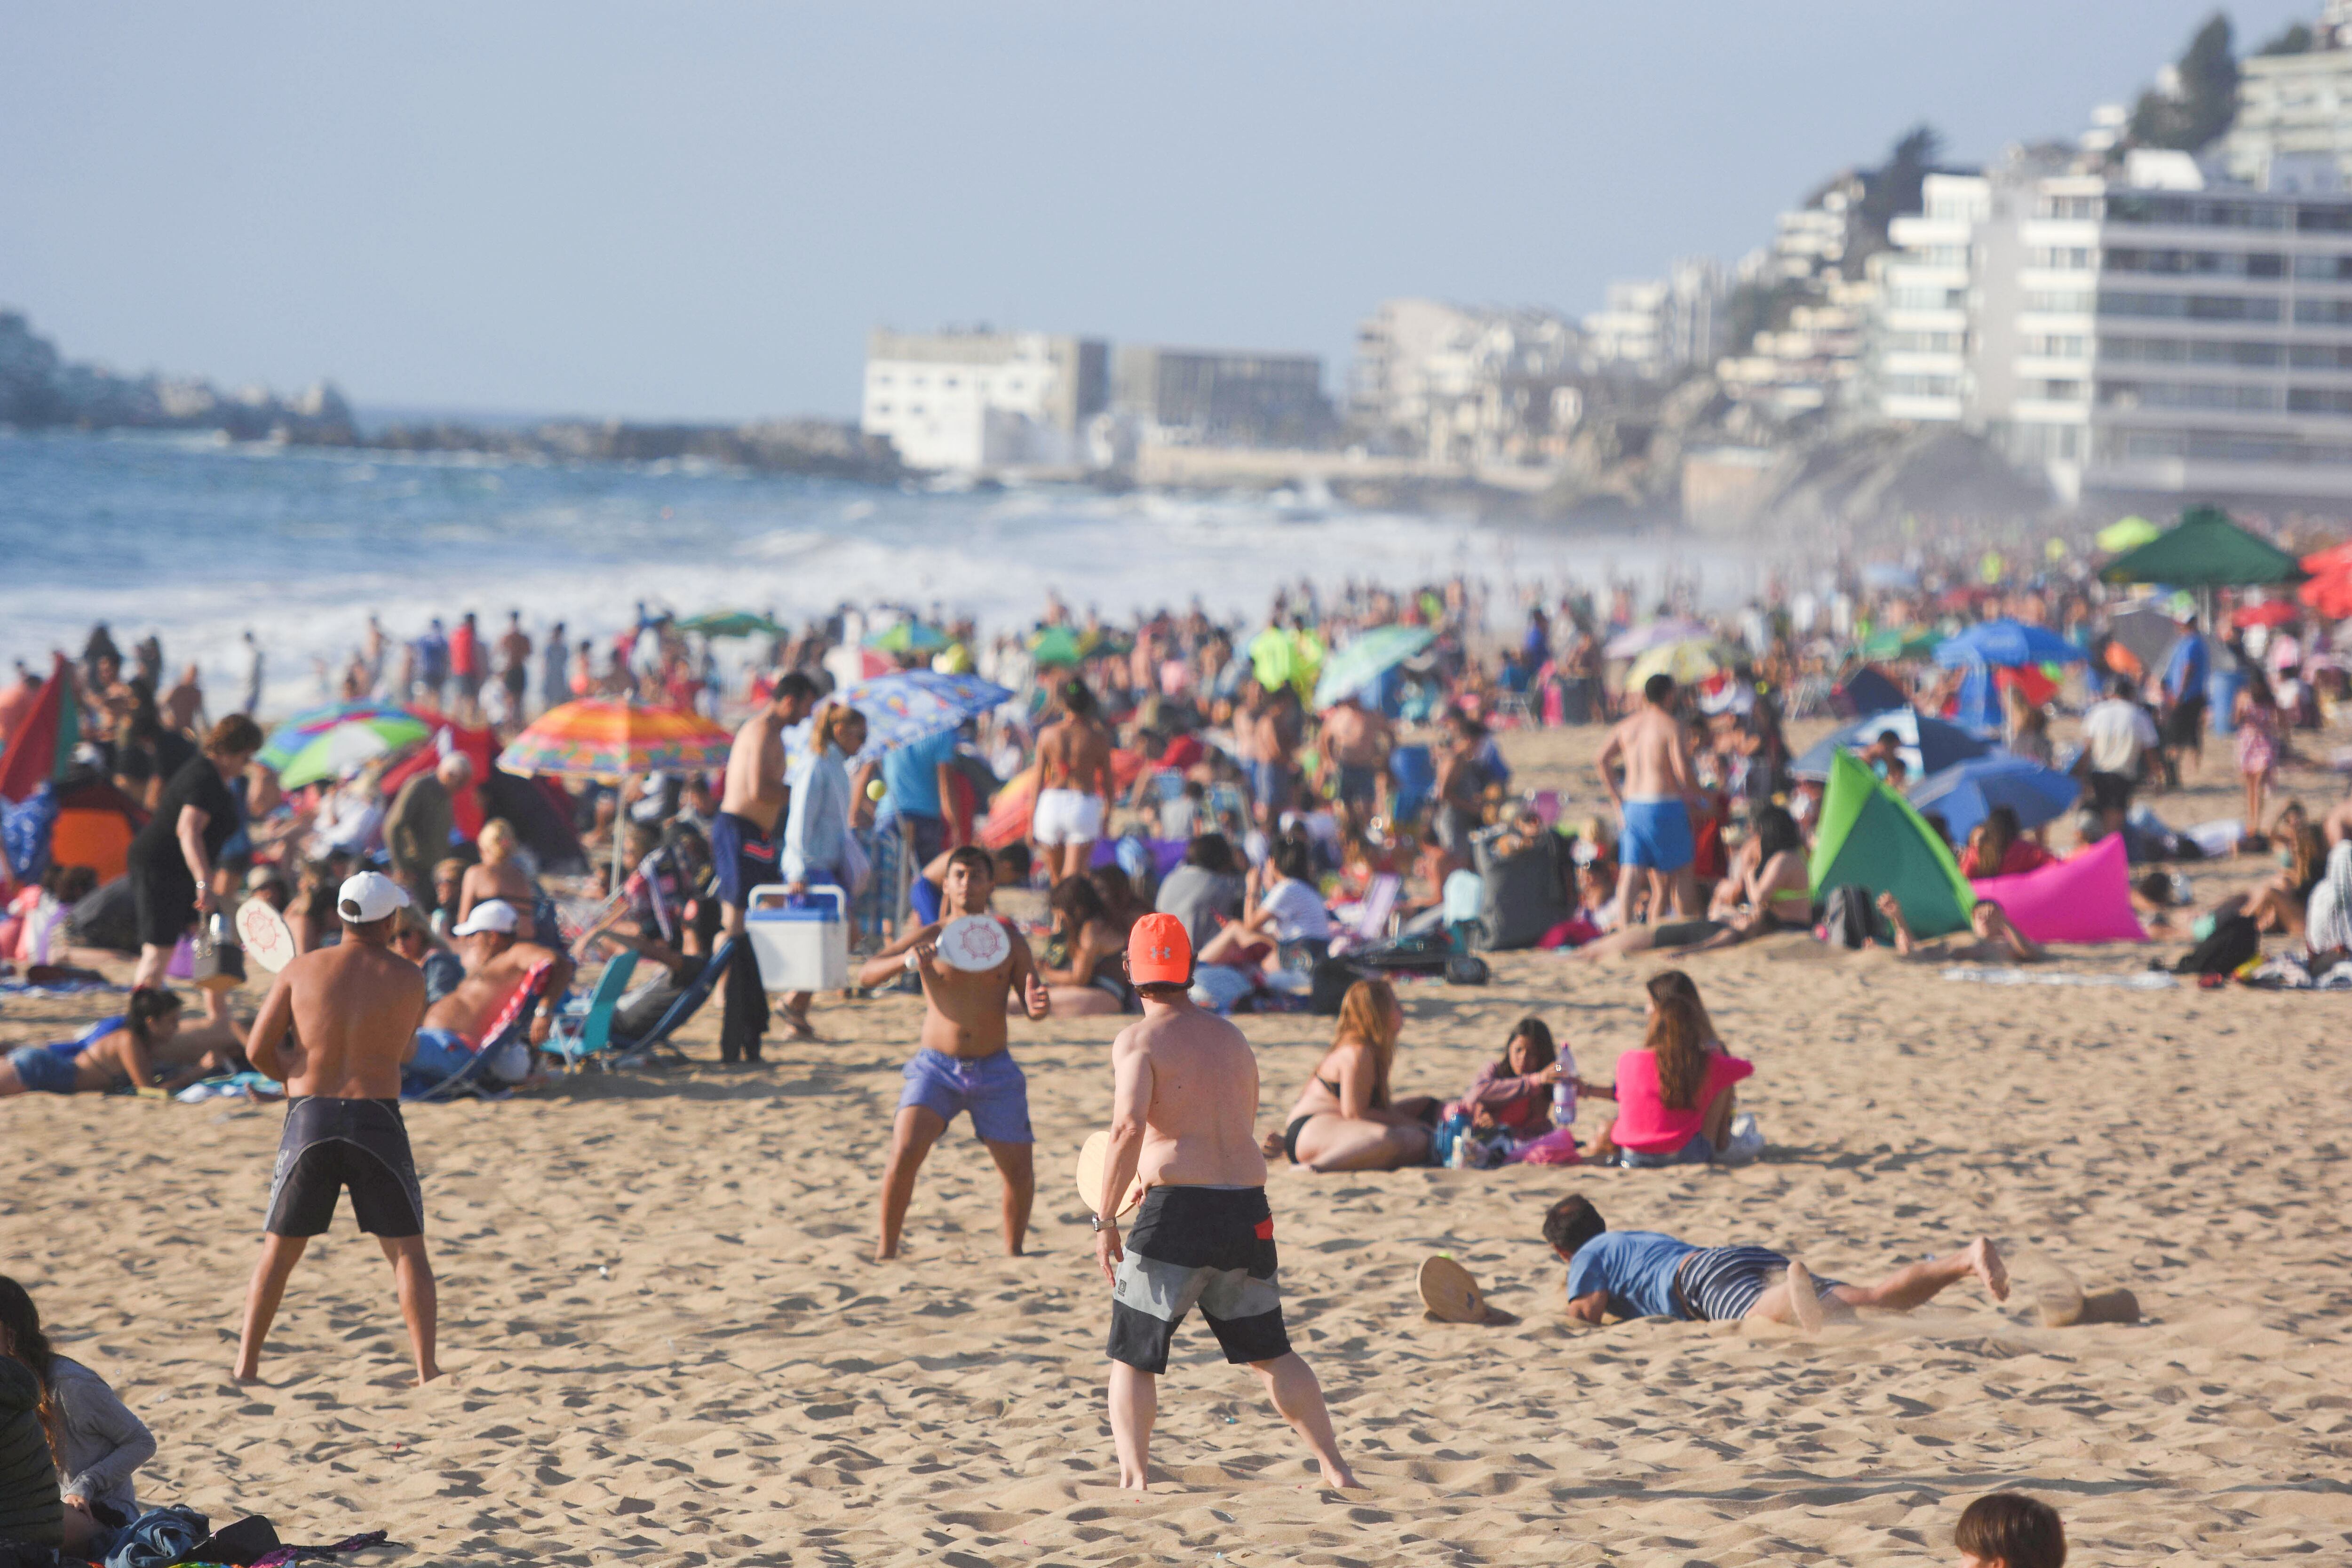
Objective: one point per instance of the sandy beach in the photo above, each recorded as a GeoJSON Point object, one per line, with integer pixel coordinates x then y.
{"type": "Point", "coordinates": [667, 1345]}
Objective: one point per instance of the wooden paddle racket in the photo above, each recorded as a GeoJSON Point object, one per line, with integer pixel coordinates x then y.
{"type": "Point", "coordinates": [1092, 1158]}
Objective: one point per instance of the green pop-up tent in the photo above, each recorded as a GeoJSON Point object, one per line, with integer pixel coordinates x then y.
{"type": "Point", "coordinates": [2205, 550]}
{"type": "Point", "coordinates": [1870, 837]}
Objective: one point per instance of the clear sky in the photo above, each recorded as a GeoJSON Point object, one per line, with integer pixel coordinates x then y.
{"type": "Point", "coordinates": [697, 210]}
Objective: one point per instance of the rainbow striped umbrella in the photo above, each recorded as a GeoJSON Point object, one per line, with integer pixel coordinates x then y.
{"type": "Point", "coordinates": [287, 741]}
{"type": "Point", "coordinates": [607, 738]}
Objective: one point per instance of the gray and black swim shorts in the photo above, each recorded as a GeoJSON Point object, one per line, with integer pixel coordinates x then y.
{"type": "Point", "coordinates": [1210, 1247]}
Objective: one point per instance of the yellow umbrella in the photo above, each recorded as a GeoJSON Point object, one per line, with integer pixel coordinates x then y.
{"type": "Point", "coordinates": [1688, 662]}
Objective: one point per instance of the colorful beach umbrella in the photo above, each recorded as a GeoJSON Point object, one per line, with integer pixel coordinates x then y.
{"type": "Point", "coordinates": [1349, 669]}
{"type": "Point", "coordinates": [2006, 642]}
{"type": "Point", "coordinates": [730, 624]}
{"type": "Point", "coordinates": [1926, 745]}
{"type": "Point", "coordinates": [1057, 646]}
{"type": "Point", "coordinates": [343, 749]}
{"type": "Point", "coordinates": [1900, 643]}
{"type": "Point", "coordinates": [1966, 793]}
{"type": "Point", "coordinates": [609, 738]}
{"type": "Point", "coordinates": [287, 741]}
{"type": "Point", "coordinates": [1657, 634]}
{"type": "Point", "coordinates": [908, 636]}
{"type": "Point", "coordinates": [907, 706]}
{"type": "Point", "coordinates": [1685, 663]}
{"type": "Point", "coordinates": [2127, 534]}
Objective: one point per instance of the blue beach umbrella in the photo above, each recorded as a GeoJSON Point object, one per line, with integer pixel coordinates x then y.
{"type": "Point", "coordinates": [908, 706]}
{"type": "Point", "coordinates": [1966, 793]}
{"type": "Point", "coordinates": [2008, 642]}
{"type": "Point", "coordinates": [1926, 745]}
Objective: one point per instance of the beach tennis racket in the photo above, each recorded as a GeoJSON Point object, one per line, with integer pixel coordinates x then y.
{"type": "Point", "coordinates": [1450, 1293]}
{"type": "Point", "coordinates": [264, 935]}
{"type": "Point", "coordinates": [973, 944]}
{"type": "Point", "coordinates": [1092, 1157]}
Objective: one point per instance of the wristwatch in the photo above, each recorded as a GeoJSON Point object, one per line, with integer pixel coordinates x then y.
{"type": "Point", "coordinates": [914, 963]}
{"type": "Point", "coordinates": [1099, 1223]}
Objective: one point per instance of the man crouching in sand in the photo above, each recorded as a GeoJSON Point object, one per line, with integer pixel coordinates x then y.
{"type": "Point", "coordinates": [1184, 1119]}
{"type": "Point", "coordinates": [354, 1009]}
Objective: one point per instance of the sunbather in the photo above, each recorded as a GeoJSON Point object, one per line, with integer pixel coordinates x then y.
{"type": "Point", "coordinates": [110, 1057]}
{"type": "Point", "coordinates": [1998, 941]}
{"type": "Point", "coordinates": [498, 966]}
{"type": "Point", "coordinates": [1645, 1274]}
{"type": "Point", "coordinates": [1345, 1117]}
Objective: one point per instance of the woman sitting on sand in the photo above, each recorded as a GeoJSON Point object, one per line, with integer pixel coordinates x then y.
{"type": "Point", "coordinates": [1282, 916]}
{"type": "Point", "coordinates": [107, 1058]}
{"type": "Point", "coordinates": [2283, 903]}
{"type": "Point", "coordinates": [1769, 889]}
{"type": "Point", "coordinates": [1082, 961]}
{"type": "Point", "coordinates": [1346, 1119]}
{"type": "Point", "coordinates": [1674, 1098]}
{"type": "Point", "coordinates": [499, 875]}
{"type": "Point", "coordinates": [1514, 1090]}
{"type": "Point", "coordinates": [94, 1441]}
{"type": "Point", "coordinates": [1999, 848]}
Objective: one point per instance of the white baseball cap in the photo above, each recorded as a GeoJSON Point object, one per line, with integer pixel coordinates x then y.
{"type": "Point", "coordinates": [370, 896]}
{"type": "Point", "coordinates": [491, 915]}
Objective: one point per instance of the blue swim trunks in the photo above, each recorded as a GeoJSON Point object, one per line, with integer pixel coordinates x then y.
{"type": "Point", "coordinates": [992, 1089]}
{"type": "Point", "coordinates": [43, 1070]}
{"type": "Point", "coordinates": [1657, 834]}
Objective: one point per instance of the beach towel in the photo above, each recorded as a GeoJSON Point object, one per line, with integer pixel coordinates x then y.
{"type": "Point", "coordinates": [1987, 975]}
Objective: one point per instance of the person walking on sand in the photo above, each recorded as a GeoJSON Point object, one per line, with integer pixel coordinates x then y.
{"type": "Point", "coordinates": [743, 852]}
{"type": "Point", "coordinates": [1074, 784]}
{"type": "Point", "coordinates": [964, 1063]}
{"type": "Point", "coordinates": [354, 1010]}
{"type": "Point", "coordinates": [1654, 805]}
{"type": "Point", "coordinates": [1185, 1123]}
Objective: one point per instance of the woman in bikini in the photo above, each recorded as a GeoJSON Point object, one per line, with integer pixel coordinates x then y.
{"type": "Point", "coordinates": [1770, 890]}
{"type": "Point", "coordinates": [109, 1058]}
{"type": "Point", "coordinates": [1346, 1119]}
{"type": "Point", "coordinates": [1081, 962]}
{"type": "Point", "coordinates": [499, 875]}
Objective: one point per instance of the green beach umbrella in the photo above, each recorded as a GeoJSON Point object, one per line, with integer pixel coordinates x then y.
{"type": "Point", "coordinates": [2205, 550]}
{"type": "Point", "coordinates": [1352, 668]}
{"type": "Point", "coordinates": [1872, 836]}
{"type": "Point", "coordinates": [1057, 646]}
{"type": "Point", "coordinates": [347, 747]}
{"type": "Point", "coordinates": [908, 636]}
{"type": "Point", "coordinates": [731, 624]}
{"type": "Point", "coordinates": [2127, 534]}
{"type": "Point", "coordinates": [1900, 642]}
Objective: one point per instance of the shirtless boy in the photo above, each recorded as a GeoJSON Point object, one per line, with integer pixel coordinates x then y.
{"type": "Point", "coordinates": [1355, 744]}
{"type": "Point", "coordinates": [354, 1010]}
{"type": "Point", "coordinates": [965, 1064]}
{"type": "Point", "coordinates": [1653, 805]}
{"type": "Point", "coordinates": [1074, 784]}
{"type": "Point", "coordinates": [1184, 1121]}
{"type": "Point", "coordinates": [1644, 1274]}
{"type": "Point", "coordinates": [743, 851]}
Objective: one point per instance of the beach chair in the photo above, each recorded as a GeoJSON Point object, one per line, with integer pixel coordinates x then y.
{"type": "Point", "coordinates": [513, 1022]}
{"type": "Point", "coordinates": [1370, 919]}
{"type": "Point", "coordinates": [582, 1033]}
{"type": "Point", "coordinates": [689, 1001]}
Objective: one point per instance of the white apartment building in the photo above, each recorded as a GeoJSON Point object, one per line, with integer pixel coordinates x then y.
{"type": "Point", "coordinates": [980, 401]}
{"type": "Point", "coordinates": [2295, 106]}
{"type": "Point", "coordinates": [1466, 386]}
{"type": "Point", "coordinates": [2156, 333]}
{"type": "Point", "coordinates": [1659, 327]}
{"type": "Point", "coordinates": [1811, 364]}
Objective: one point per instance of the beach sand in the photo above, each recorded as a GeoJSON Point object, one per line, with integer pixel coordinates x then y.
{"type": "Point", "coordinates": [667, 1345]}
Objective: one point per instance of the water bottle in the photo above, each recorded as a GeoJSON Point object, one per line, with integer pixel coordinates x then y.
{"type": "Point", "coordinates": [1459, 1159]}
{"type": "Point", "coordinates": [1563, 1091]}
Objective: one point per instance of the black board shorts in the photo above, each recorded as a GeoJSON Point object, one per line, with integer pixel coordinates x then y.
{"type": "Point", "coordinates": [1206, 1247]}
{"type": "Point", "coordinates": [331, 1144]}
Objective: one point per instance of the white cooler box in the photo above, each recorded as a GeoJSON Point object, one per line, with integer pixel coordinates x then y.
{"type": "Point", "coordinates": [800, 947]}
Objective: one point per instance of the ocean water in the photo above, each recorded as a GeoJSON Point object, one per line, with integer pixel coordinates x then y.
{"type": "Point", "coordinates": [196, 541]}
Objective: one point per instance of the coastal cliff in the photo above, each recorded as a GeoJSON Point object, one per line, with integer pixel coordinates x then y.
{"type": "Point", "coordinates": [41, 389]}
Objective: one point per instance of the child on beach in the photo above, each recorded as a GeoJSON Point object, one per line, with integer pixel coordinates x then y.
{"type": "Point", "coordinates": [2010, 1530]}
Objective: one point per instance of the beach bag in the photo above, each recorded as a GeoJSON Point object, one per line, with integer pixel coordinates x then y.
{"type": "Point", "coordinates": [1466, 969]}
{"type": "Point", "coordinates": [107, 918]}
{"type": "Point", "coordinates": [219, 962]}
{"type": "Point", "coordinates": [248, 1540]}
{"type": "Point", "coordinates": [1328, 986]}
{"type": "Point", "coordinates": [2234, 939]}
{"type": "Point", "coordinates": [1524, 895]}
{"type": "Point", "coordinates": [1848, 919]}
{"type": "Point", "coordinates": [158, 1538]}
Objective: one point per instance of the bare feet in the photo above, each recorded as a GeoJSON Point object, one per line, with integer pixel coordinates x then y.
{"type": "Point", "coordinates": [1984, 1259]}
{"type": "Point", "coordinates": [426, 1376]}
{"type": "Point", "coordinates": [1804, 1299]}
{"type": "Point", "coordinates": [1340, 1475]}
{"type": "Point", "coordinates": [884, 1251]}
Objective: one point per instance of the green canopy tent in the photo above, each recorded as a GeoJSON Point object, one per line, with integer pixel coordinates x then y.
{"type": "Point", "coordinates": [731, 624]}
{"type": "Point", "coordinates": [1057, 646]}
{"type": "Point", "coordinates": [2205, 550]}
{"type": "Point", "coordinates": [1870, 836]}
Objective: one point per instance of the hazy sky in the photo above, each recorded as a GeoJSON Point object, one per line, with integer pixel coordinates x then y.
{"type": "Point", "coordinates": [698, 210]}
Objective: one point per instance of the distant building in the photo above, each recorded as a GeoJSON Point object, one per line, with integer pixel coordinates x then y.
{"type": "Point", "coordinates": [1660, 327]}
{"type": "Point", "coordinates": [972, 402]}
{"type": "Point", "coordinates": [2296, 110]}
{"type": "Point", "coordinates": [1916, 361]}
{"type": "Point", "coordinates": [1470, 387]}
{"type": "Point", "coordinates": [1806, 360]}
{"type": "Point", "coordinates": [1218, 396]}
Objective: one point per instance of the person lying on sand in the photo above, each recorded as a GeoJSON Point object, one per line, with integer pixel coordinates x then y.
{"type": "Point", "coordinates": [1645, 1274]}
{"type": "Point", "coordinates": [964, 1063]}
{"type": "Point", "coordinates": [110, 1057]}
{"type": "Point", "coordinates": [1998, 941]}
{"type": "Point", "coordinates": [334, 1029]}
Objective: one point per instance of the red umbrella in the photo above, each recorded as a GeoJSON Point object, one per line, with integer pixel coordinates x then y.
{"type": "Point", "coordinates": [2331, 595]}
{"type": "Point", "coordinates": [2269, 613]}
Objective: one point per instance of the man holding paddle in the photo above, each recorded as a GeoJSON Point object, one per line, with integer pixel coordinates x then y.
{"type": "Point", "coordinates": [972, 965]}
{"type": "Point", "coordinates": [1184, 1123]}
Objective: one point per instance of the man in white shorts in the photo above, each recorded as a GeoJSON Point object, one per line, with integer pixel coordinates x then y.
{"type": "Point", "coordinates": [1074, 784]}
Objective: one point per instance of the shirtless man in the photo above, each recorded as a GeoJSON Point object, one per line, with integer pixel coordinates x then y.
{"type": "Point", "coordinates": [514, 666]}
{"type": "Point", "coordinates": [1645, 1274]}
{"type": "Point", "coordinates": [497, 964]}
{"type": "Point", "coordinates": [965, 1064]}
{"type": "Point", "coordinates": [1185, 1123]}
{"type": "Point", "coordinates": [1074, 784]}
{"type": "Point", "coordinates": [1355, 744]}
{"type": "Point", "coordinates": [1654, 805]}
{"type": "Point", "coordinates": [744, 850]}
{"type": "Point", "coordinates": [353, 1009]}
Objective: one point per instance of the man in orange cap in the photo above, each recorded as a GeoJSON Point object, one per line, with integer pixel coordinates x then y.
{"type": "Point", "coordinates": [1184, 1121]}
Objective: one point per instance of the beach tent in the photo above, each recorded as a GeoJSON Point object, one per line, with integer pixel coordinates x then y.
{"type": "Point", "coordinates": [1926, 745]}
{"type": "Point", "coordinates": [1869, 689]}
{"type": "Point", "coordinates": [1966, 793]}
{"type": "Point", "coordinates": [2086, 898]}
{"type": "Point", "coordinates": [1870, 838]}
{"type": "Point", "coordinates": [41, 748]}
{"type": "Point", "coordinates": [51, 812]}
{"type": "Point", "coordinates": [2206, 550]}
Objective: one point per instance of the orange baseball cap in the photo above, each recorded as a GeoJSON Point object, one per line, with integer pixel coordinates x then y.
{"type": "Point", "coordinates": [1159, 951]}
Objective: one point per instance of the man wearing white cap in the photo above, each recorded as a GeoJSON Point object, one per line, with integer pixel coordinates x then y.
{"type": "Point", "coordinates": [497, 967]}
{"type": "Point", "coordinates": [353, 1010]}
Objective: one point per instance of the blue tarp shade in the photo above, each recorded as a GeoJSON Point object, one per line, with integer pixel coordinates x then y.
{"type": "Point", "coordinates": [1965, 793]}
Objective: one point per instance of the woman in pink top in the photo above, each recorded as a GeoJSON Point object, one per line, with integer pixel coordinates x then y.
{"type": "Point", "coordinates": [1675, 1098]}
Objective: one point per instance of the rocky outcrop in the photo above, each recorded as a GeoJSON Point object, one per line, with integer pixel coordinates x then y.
{"type": "Point", "coordinates": [819, 447]}
{"type": "Point", "coordinates": [39, 388]}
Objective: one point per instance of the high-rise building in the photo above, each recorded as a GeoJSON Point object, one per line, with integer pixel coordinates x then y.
{"type": "Point", "coordinates": [1915, 358]}
{"type": "Point", "coordinates": [1206, 394]}
{"type": "Point", "coordinates": [2297, 110]}
{"type": "Point", "coordinates": [975, 400]}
